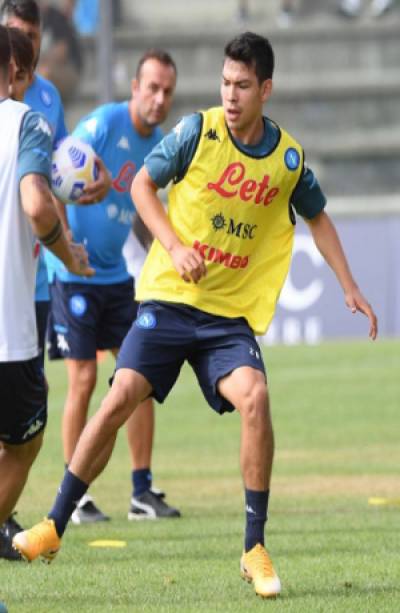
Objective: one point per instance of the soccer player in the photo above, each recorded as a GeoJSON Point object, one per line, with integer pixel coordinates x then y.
{"type": "Point", "coordinates": [210, 283]}
{"type": "Point", "coordinates": [96, 314]}
{"type": "Point", "coordinates": [42, 96]}
{"type": "Point", "coordinates": [26, 210]}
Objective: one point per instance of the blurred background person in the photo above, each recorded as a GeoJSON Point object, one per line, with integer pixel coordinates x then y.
{"type": "Point", "coordinates": [353, 8]}
{"type": "Point", "coordinates": [60, 56]}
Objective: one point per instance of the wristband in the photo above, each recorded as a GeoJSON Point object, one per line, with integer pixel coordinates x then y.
{"type": "Point", "coordinates": [52, 236]}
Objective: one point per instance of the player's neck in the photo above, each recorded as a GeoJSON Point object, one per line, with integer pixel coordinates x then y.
{"type": "Point", "coordinates": [141, 128]}
{"type": "Point", "coordinates": [251, 134]}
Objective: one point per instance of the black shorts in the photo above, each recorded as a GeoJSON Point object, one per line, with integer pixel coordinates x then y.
{"type": "Point", "coordinates": [86, 317]}
{"type": "Point", "coordinates": [23, 401]}
{"type": "Point", "coordinates": [164, 335]}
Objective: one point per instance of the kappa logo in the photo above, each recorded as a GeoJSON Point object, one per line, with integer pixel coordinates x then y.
{"type": "Point", "coordinates": [33, 428]}
{"type": "Point", "coordinates": [62, 343]}
{"type": "Point", "coordinates": [212, 135]}
{"type": "Point", "coordinates": [124, 143]}
{"type": "Point", "coordinates": [91, 126]}
{"type": "Point", "coordinates": [43, 126]}
{"type": "Point", "coordinates": [253, 352]}
{"type": "Point", "coordinates": [146, 320]}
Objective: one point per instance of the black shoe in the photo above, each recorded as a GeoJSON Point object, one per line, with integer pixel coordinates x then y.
{"type": "Point", "coordinates": [7, 552]}
{"type": "Point", "coordinates": [87, 513]}
{"type": "Point", "coordinates": [11, 526]}
{"type": "Point", "coordinates": [151, 506]}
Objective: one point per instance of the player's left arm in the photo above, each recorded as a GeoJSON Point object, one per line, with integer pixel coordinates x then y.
{"type": "Point", "coordinates": [328, 242]}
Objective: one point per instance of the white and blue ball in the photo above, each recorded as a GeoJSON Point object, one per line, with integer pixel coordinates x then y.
{"type": "Point", "coordinates": [74, 166]}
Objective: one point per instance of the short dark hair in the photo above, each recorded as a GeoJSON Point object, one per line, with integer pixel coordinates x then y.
{"type": "Point", "coordinates": [27, 10]}
{"type": "Point", "coordinates": [155, 54]}
{"type": "Point", "coordinates": [5, 50]}
{"type": "Point", "coordinates": [253, 50]}
{"type": "Point", "coordinates": [21, 49]}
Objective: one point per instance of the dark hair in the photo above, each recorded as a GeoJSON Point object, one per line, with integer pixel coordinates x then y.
{"type": "Point", "coordinates": [27, 10]}
{"type": "Point", "coordinates": [5, 50]}
{"type": "Point", "coordinates": [253, 50]}
{"type": "Point", "coordinates": [155, 54]}
{"type": "Point", "coordinates": [21, 49]}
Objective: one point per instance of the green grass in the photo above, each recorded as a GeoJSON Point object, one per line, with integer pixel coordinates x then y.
{"type": "Point", "coordinates": [336, 416]}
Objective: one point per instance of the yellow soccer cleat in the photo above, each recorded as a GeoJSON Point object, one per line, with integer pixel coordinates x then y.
{"type": "Point", "coordinates": [256, 567]}
{"type": "Point", "coordinates": [41, 540]}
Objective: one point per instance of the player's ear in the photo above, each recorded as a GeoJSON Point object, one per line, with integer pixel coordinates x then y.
{"type": "Point", "coordinates": [134, 86]}
{"type": "Point", "coordinates": [266, 89]}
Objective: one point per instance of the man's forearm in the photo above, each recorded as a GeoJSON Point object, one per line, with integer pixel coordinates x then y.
{"type": "Point", "coordinates": [328, 243]}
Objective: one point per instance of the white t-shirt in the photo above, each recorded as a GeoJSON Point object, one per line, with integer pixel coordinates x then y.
{"type": "Point", "coordinates": [18, 246]}
{"type": "Point", "coordinates": [135, 255]}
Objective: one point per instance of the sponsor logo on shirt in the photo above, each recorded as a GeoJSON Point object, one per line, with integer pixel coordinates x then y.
{"type": "Point", "coordinates": [122, 183]}
{"type": "Point", "coordinates": [112, 211]}
{"type": "Point", "coordinates": [232, 182]}
{"type": "Point", "coordinates": [232, 227]}
{"type": "Point", "coordinates": [217, 256]}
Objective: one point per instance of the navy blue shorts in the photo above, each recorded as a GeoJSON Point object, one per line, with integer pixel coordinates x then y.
{"type": "Point", "coordinates": [23, 401]}
{"type": "Point", "coordinates": [164, 335]}
{"type": "Point", "coordinates": [88, 317]}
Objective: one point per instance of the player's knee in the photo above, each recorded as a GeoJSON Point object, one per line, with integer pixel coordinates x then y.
{"type": "Point", "coordinates": [118, 405]}
{"type": "Point", "coordinates": [254, 404]}
{"type": "Point", "coordinates": [83, 379]}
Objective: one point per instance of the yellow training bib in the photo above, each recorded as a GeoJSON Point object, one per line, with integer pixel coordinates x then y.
{"type": "Point", "coordinates": [235, 210]}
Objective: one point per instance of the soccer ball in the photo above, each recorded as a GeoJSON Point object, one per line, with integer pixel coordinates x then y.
{"type": "Point", "coordinates": [73, 168]}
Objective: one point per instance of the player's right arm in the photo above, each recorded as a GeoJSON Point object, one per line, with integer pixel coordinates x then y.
{"type": "Point", "coordinates": [187, 261]}
{"type": "Point", "coordinates": [34, 170]}
{"type": "Point", "coordinates": [37, 202]}
{"type": "Point", "coordinates": [168, 160]}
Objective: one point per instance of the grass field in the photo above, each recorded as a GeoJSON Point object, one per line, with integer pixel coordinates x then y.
{"type": "Point", "coordinates": [336, 415]}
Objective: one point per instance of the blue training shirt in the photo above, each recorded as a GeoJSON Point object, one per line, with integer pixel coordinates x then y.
{"type": "Point", "coordinates": [172, 157]}
{"type": "Point", "coordinates": [104, 227]}
{"type": "Point", "coordinates": [44, 97]}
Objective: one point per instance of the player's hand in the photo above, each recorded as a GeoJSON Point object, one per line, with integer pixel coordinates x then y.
{"type": "Point", "coordinates": [188, 263]}
{"type": "Point", "coordinates": [356, 302]}
{"type": "Point", "coordinates": [79, 262]}
{"type": "Point", "coordinates": [97, 190]}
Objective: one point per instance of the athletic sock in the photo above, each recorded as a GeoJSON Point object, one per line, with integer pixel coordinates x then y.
{"type": "Point", "coordinates": [69, 494]}
{"type": "Point", "coordinates": [141, 480]}
{"type": "Point", "coordinates": [256, 516]}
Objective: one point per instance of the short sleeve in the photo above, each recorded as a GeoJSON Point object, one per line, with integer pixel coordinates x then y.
{"type": "Point", "coordinates": [308, 199]}
{"type": "Point", "coordinates": [93, 130]}
{"type": "Point", "coordinates": [35, 146]}
{"type": "Point", "coordinates": [171, 158]}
